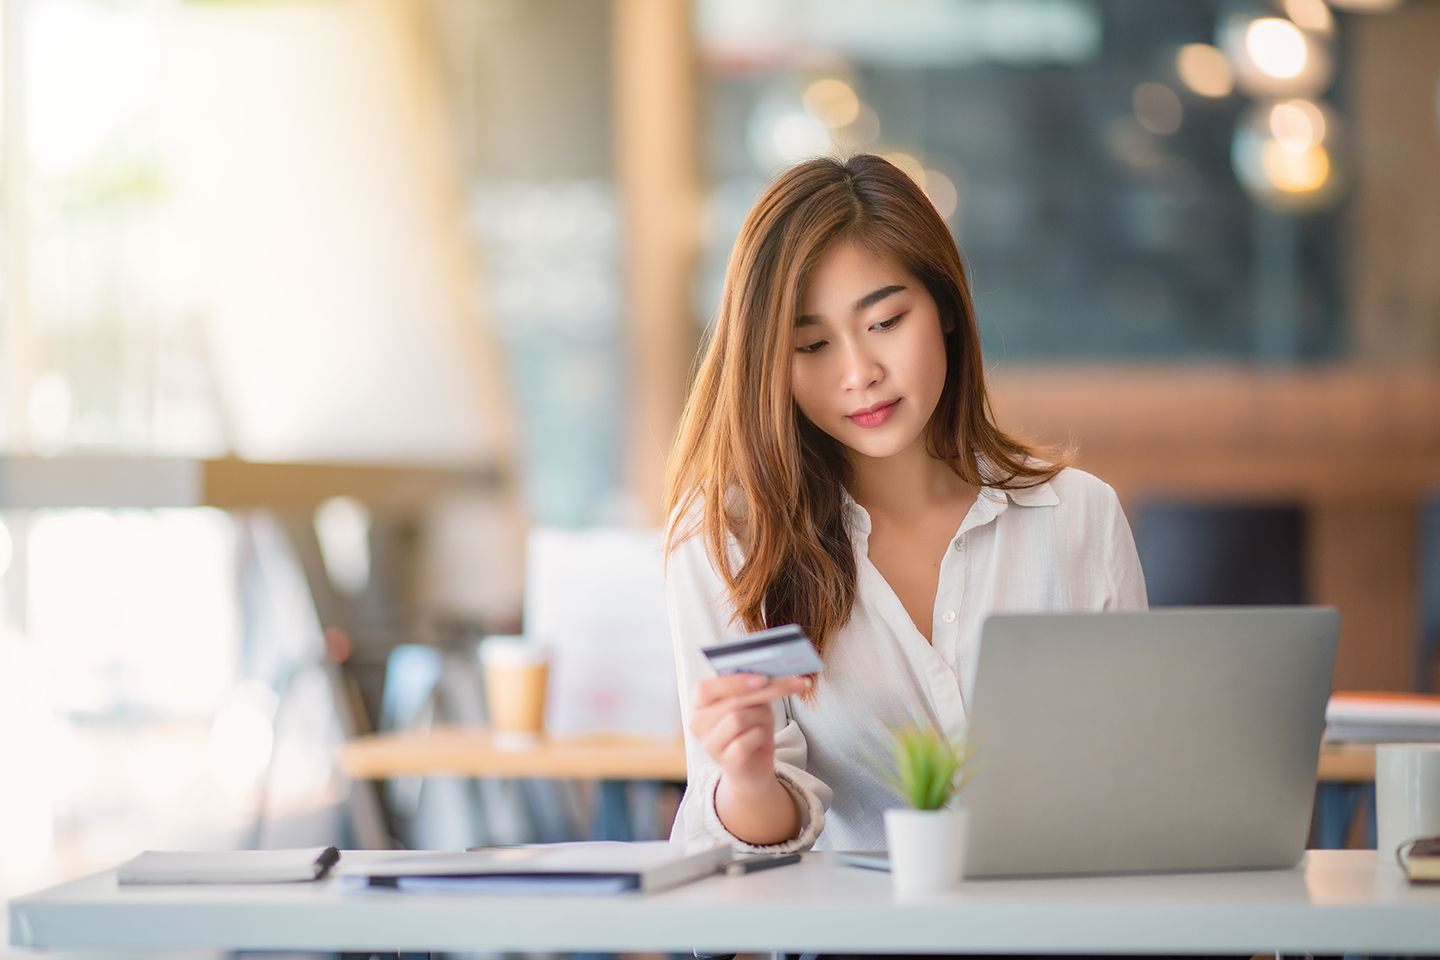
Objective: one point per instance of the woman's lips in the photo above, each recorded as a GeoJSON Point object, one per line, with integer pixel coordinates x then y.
{"type": "Point", "coordinates": [875, 416]}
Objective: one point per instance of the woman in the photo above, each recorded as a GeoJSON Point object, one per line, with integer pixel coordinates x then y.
{"type": "Point", "coordinates": [837, 466]}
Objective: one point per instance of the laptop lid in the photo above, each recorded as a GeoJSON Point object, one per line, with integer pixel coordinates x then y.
{"type": "Point", "coordinates": [1163, 740]}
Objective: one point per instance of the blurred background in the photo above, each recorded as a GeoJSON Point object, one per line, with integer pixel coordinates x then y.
{"type": "Point", "coordinates": [313, 312]}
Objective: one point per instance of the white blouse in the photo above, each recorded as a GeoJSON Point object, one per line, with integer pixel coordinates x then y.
{"type": "Point", "coordinates": [1063, 545]}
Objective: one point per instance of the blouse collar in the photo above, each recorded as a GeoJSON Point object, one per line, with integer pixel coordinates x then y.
{"type": "Point", "coordinates": [991, 502]}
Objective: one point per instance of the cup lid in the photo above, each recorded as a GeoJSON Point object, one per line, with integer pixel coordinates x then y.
{"type": "Point", "coordinates": [513, 651]}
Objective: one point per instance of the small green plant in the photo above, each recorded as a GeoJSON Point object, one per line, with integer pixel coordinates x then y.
{"type": "Point", "coordinates": [928, 768]}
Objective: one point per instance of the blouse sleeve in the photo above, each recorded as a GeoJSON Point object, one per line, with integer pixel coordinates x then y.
{"type": "Point", "coordinates": [1126, 579]}
{"type": "Point", "coordinates": [701, 614]}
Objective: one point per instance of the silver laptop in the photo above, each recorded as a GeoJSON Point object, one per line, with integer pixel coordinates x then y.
{"type": "Point", "coordinates": [1162, 740]}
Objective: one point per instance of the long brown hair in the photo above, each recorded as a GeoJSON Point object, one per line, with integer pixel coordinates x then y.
{"type": "Point", "coordinates": [756, 467]}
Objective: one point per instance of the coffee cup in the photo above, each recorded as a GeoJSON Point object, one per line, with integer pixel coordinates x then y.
{"type": "Point", "coordinates": [517, 670]}
{"type": "Point", "coordinates": [1407, 795]}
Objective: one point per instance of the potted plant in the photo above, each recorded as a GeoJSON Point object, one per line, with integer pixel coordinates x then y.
{"type": "Point", "coordinates": [927, 837]}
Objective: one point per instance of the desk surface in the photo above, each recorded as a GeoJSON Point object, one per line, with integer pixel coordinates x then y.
{"type": "Point", "coordinates": [469, 752]}
{"type": "Point", "coordinates": [1335, 902]}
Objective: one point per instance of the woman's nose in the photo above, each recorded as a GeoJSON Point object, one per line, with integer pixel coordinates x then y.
{"type": "Point", "coordinates": [861, 368]}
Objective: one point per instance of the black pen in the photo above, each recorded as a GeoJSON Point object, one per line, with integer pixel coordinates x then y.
{"type": "Point", "coordinates": [764, 861]}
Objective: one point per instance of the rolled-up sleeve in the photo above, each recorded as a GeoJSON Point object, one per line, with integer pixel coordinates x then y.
{"type": "Point", "coordinates": [701, 614]}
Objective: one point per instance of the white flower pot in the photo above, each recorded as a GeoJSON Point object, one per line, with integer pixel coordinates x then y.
{"type": "Point", "coordinates": [927, 848]}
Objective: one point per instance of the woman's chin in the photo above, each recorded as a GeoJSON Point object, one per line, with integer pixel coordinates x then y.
{"type": "Point", "coordinates": [877, 446]}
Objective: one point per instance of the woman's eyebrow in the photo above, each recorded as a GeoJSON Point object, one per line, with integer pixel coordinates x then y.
{"type": "Point", "coordinates": [869, 300]}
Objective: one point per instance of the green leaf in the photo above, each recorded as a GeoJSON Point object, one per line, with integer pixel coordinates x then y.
{"type": "Point", "coordinates": [928, 769]}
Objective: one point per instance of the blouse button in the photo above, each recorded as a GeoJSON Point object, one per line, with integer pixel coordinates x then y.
{"type": "Point", "coordinates": [948, 616]}
{"type": "Point", "coordinates": [960, 544]}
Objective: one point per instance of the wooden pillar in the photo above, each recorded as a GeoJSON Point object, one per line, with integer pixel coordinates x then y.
{"type": "Point", "coordinates": [657, 167]}
{"type": "Point", "coordinates": [1393, 225]}
{"type": "Point", "coordinates": [1363, 556]}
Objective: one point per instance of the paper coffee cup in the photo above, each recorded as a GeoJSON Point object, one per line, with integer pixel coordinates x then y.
{"type": "Point", "coordinates": [517, 670]}
{"type": "Point", "coordinates": [1407, 795]}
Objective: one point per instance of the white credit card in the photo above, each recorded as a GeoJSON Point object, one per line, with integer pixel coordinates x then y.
{"type": "Point", "coordinates": [778, 652]}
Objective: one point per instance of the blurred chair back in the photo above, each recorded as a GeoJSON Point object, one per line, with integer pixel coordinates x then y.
{"type": "Point", "coordinates": [1221, 554]}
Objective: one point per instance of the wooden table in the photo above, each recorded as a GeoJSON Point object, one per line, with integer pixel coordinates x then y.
{"type": "Point", "coordinates": [621, 765]}
{"type": "Point", "coordinates": [1347, 763]}
{"type": "Point", "coordinates": [454, 751]}
{"type": "Point", "coordinates": [469, 752]}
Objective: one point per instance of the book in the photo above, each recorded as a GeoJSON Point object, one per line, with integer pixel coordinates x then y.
{"type": "Point", "coordinates": [1380, 733]}
{"type": "Point", "coordinates": [228, 866]}
{"type": "Point", "coordinates": [550, 868]}
{"type": "Point", "coordinates": [1358, 717]}
{"type": "Point", "coordinates": [1422, 860]}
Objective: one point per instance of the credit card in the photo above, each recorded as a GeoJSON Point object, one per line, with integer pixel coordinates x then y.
{"type": "Point", "coordinates": [778, 652]}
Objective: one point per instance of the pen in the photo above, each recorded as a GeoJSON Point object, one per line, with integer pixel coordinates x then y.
{"type": "Point", "coordinates": [744, 865]}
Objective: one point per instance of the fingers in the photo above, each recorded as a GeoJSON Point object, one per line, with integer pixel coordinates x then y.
{"type": "Point", "coordinates": [734, 716]}
{"type": "Point", "coordinates": [707, 714]}
{"type": "Point", "coordinates": [728, 726]}
{"type": "Point", "coordinates": [750, 687]}
{"type": "Point", "coordinates": [730, 720]}
{"type": "Point", "coordinates": [734, 754]}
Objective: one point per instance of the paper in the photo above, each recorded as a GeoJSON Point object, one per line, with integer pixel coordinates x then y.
{"type": "Point", "coordinates": [597, 597]}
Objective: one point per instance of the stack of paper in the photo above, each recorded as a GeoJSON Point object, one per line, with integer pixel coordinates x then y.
{"type": "Point", "coordinates": [553, 868]}
{"type": "Point", "coordinates": [1382, 717]}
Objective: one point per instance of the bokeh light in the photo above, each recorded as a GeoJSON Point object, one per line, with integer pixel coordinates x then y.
{"type": "Point", "coordinates": [1277, 47]}
{"type": "Point", "coordinates": [861, 132]}
{"type": "Point", "coordinates": [913, 168]}
{"type": "Point", "coordinates": [1295, 171]}
{"type": "Point", "coordinates": [1157, 108]}
{"type": "Point", "coordinates": [1297, 124]}
{"type": "Point", "coordinates": [1273, 56]}
{"type": "Point", "coordinates": [1285, 154]}
{"type": "Point", "coordinates": [1204, 70]}
{"type": "Point", "coordinates": [1132, 144]}
{"type": "Point", "coordinates": [781, 132]}
{"type": "Point", "coordinates": [831, 101]}
{"type": "Point", "coordinates": [942, 192]}
{"type": "Point", "coordinates": [1310, 15]}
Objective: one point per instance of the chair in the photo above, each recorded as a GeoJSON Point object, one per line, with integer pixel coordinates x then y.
{"type": "Point", "coordinates": [425, 685]}
{"type": "Point", "coordinates": [1222, 554]}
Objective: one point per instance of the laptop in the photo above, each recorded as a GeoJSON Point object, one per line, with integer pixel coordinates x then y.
{"type": "Point", "coordinates": [1162, 740]}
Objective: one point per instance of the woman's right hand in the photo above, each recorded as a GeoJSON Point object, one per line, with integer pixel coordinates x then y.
{"type": "Point", "coordinates": [734, 721]}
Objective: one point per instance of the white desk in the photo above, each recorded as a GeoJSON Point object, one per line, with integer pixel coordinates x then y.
{"type": "Point", "coordinates": [1337, 902]}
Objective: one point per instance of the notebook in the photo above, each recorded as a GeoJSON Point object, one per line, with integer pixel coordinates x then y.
{"type": "Point", "coordinates": [1379, 717]}
{"type": "Point", "coordinates": [228, 866]}
{"type": "Point", "coordinates": [568, 868]}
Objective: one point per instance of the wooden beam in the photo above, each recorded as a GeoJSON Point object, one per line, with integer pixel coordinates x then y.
{"type": "Point", "coordinates": [32, 483]}
{"type": "Point", "coordinates": [1357, 448]}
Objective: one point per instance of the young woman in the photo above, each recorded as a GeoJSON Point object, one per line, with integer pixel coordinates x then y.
{"type": "Point", "coordinates": [837, 466]}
